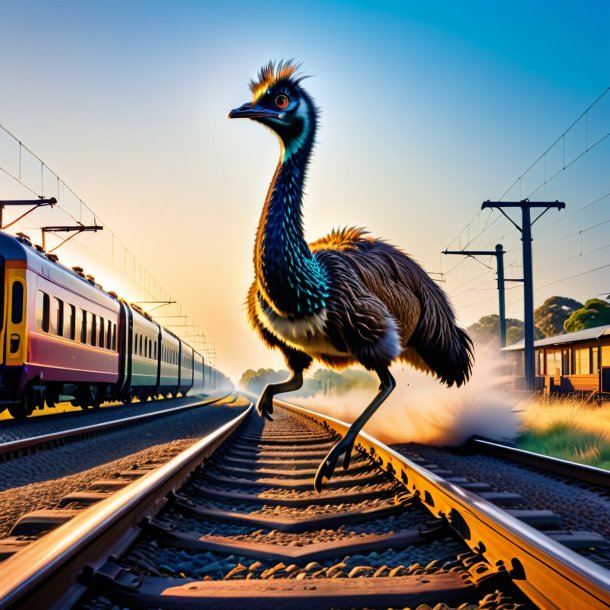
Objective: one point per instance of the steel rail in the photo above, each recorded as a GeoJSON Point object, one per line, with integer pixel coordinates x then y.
{"type": "Point", "coordinates": [32, 578]}
{"type": "Point", "coordinates": [550, 575]}
{"type": "Point", "coordinates": [597, 477]}
{"type": "Point", "coordinates": [22, 446]}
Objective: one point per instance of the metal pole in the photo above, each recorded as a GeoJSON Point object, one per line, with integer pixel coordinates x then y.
{"type": "Point", "coordinates": [528, 297]}
{"type": "Point", "coordinates": [499, 254]}
{"type": "Point", "coordinates": [525, 205]}
{"type": "Point", "coordinates": [501, 300]}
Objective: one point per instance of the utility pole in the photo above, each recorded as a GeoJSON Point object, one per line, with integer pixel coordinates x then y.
{"type": "Point", "coordinates": [526, 206]}
{"type": "Point", "coordinates": [76, 229]}
{"type": "Point", "coordinates": [499, 254]}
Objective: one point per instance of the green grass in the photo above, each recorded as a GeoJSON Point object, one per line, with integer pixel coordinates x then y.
{"type": "Point", "coordinates": [566, 440]}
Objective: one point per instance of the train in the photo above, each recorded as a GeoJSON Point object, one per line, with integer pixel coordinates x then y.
{"type": "Point", "coordinates": [63, 337]}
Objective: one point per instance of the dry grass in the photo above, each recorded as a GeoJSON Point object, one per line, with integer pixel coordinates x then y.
{"type": "Point", "coordinates": [567, 428]}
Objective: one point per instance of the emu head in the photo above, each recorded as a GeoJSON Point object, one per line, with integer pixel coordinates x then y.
{"type": "Point", "coordinates": [280, 103]}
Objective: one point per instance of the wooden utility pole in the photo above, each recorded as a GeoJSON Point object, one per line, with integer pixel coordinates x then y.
{"type": "Point", "coordinates": [526, 206]}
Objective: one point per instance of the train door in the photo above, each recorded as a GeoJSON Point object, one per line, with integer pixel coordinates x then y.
{"type": "Point", "coordinates": [15, 328]}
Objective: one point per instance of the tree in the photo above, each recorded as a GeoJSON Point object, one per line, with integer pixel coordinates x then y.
{"type": "Point", "coordinates": [255, 381]}
{"type": "Point", "coordinates": [552, 314]}
{"type": "Point", "coordinates": [487, 331]}
{"type": "Point", "coordinates": [350, 379]}
{"type": "Point", "coordinates": [323, 380]}
{"type": "Point", "coordinates": [594, 312]}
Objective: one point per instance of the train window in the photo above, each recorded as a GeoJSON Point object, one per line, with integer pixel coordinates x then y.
{"type": "Point", "coordinates": [42, 311]}
{"type": "Point", "coordinates": [146, 347]}
{"type": "Point", "coordinates": [93, 336]}
{"type": "Point", "coordinates": [83, 326]}
{"type": "Point", "coordinates": [69, 311]}
{"type": "Point", "coordinates": [109, 335]}
{"type": "Point", "coordinates": [135, 343]}
{"type": "Point", "coordinates": [140, 351]}
{"type": "Point", "coordinates": [102, 325]}
{"type": "Point", "coordinates": [17, 303]}
{"type": "Point", "coordinates": [114, 337]}
{"type": "Point", "coordinates": [150, 348]}
{"type": "Point", "coordinates": [57, 321]}
{"type": "Point", "coordinates": [155, 352]}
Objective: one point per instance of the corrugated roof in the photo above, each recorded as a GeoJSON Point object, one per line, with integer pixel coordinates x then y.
{"type": "Point", "coordinates": [588, 334]}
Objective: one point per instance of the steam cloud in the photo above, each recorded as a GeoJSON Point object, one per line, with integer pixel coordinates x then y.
{"type": "Point", "coordinates": [421, 410]}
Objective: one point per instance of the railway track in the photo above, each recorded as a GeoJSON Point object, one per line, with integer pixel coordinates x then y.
{"type": "Point", "coordinates": [234, 520]}
{"type": "Point", "coordinates": [25, 445]}
{"type": "Point", "coordinates": [588, 475]}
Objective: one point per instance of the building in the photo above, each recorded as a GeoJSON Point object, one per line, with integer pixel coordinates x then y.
{"type": "Point", "coordinates": [574, 362]}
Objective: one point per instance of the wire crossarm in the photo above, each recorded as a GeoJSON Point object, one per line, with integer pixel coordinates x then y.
{"type": "Point", "coordinates": [499, 254]}
{"type": "Point", "coordinates": [33, 203]}
{"type": "Point", "coordinates": [76, 229]}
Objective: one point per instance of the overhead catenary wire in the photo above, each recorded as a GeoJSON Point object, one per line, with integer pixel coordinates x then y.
{"type": "Point", "coordinates": [546, 180]}
{"type": "Point", "coordinates": [47, 178]}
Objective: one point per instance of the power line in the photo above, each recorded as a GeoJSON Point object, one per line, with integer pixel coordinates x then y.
{"type": "Point", "coordinates": [49, 180]}
{"type": "Point", "coordinates": [561, 138]}
{"type": "Point", "coordinates": [542, 157]}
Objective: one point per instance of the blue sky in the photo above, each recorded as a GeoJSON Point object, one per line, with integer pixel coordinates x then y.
{"type": "Point", "coordinates": [428, 108]}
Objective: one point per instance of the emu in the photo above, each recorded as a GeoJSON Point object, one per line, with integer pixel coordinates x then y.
{"type": "Point", "coordinates": [347, 298]}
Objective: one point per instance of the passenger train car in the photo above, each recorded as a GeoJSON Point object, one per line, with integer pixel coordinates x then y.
{"type": "Point", "coordinates": [62, 335]}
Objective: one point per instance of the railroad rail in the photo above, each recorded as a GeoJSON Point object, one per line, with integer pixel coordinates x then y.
{"type": "Point", "coordinates": [590, 475]}
{"type": "Point", "coordinates": [245, 527]}
{"type": "Point", "coordinates": [25, 446]}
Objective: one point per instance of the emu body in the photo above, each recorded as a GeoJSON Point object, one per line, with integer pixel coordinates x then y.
{"type": "Point", "coordinates": [347, 298]}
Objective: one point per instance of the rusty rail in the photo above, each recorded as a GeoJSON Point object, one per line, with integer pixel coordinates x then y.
{"type": "Point", "coordinates": [44, 574]}
{"type": "Point", "coordinates": [551, 575]}
{"type": "Point", "coordinates": [25, 446]}
{"type": "Point", "coordinates": [597, 477]}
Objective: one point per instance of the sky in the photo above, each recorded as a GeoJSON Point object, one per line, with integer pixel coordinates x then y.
{"type": "Point", "coordinates": [428, 109]}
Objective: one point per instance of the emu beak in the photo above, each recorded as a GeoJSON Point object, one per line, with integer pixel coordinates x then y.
{"type": "Point", "coordinates": [241, 113]}
{"type": "Point", "coordinates": [247, 112]}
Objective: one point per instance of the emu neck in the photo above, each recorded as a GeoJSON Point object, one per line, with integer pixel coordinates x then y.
{"type": "Point", "coordinates": [289, 277]}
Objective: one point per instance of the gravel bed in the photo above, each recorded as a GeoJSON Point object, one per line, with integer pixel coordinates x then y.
{"type": "Point", "coordinates": [151, 558]}
{"type": "Point", "coordinates": [580, 508]}
{"type": "Point", "coordinates": [11, 430]}
{"type": "Point", "coordinates": [204, 527]}
{"type": "Point", "coordinates": [277, 493]}
{"type": "Point", "coordinates": [40, 480]}
{"type": "Point", "coordinates": [289, 511]}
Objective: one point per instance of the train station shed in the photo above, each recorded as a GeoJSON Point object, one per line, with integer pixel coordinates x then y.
{"type": "Point", "coordinates": [574, 362]}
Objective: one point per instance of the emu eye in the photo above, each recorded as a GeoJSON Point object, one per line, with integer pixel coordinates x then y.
{"type": "Point", "coordinates": [281, 101]}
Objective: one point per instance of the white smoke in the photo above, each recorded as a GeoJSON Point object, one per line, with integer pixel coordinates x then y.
{"type": "Point", "coordinates": [421, 410]}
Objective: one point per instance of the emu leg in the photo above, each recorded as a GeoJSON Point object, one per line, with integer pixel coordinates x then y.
{"type": "Point", "coordinates": [264, 406]}
{"type": "Point", "coordinates": [345, 445]}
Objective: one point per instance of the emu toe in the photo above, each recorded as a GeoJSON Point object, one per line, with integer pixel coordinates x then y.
{"type": "Point", "coordinates": [327, 466]}
{"type": "Point", "coordinates": [264, 406]}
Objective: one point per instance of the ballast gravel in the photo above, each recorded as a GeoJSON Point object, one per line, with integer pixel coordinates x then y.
{"type": "Point", "coordinates": [579, 507]}
{"type": "Point", "coordinates": [12, 429]}
{"type": "Point", "coordinates": [39, 481]}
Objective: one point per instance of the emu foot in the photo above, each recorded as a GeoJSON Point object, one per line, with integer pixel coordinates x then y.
{"type": "Point", "coordinates": [327, 467]}
{"type": "Point", "coordinates": [264, 406]}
